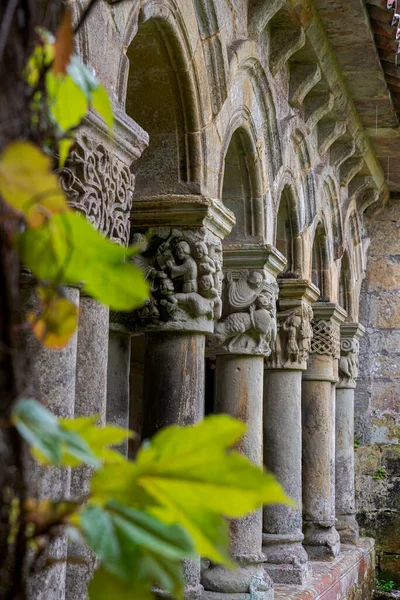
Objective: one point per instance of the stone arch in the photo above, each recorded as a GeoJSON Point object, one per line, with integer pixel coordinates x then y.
{"type": "Point", "coordinates": [161, 94]}
{"type": "Point", "coordinates": [241, 180]}
{"type": "Point", "coordinates": [251, 68]}
{"type": "Point", "coordinates": [306, 174]}
{"type": "Point", "coordinates": [332, 196]}
{"type": "Point", "coordinates": [288, 239]}
{"type": "Point", "coordinates": [354, 245]}
{"type": "Point", "coordinates": [320, 262]}
{"type": "Point", "coordinates": [346, 286]}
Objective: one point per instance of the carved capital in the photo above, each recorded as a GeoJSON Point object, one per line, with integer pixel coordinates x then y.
{"type": "Point", "coordinates": [292, 346]}
{"type": "Point", "coordinates": [97, 177]}
{"type": "Point", "coordinates": [351, 333]}
{"type": "Point", "coordinates": [248, 323]}
{"type": "Point", "coordinates": [326, 329]}
{"type": "Point", "coordinates": [101, 187]}
{"type": "Point", "coordinates": [184, 270]}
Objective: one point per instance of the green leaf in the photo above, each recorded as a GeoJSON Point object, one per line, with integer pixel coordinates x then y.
{"type": "Point", "coordinates": [97, 437]}
{"type": "Point", "coordinates": [68, 249]}
{"type": "Point", "coordinates": [123, 537]}
{"type": "Point", "coordinates": [43, 431]}
{"type": "Point", "coordinates": [68, 104]}
{"type": "Point", "coordinates": [28, 183]}
{"type": "Point", "coordinates": [41, 57]}
{"type": "Point", "coordinates": [101, 103]}
{"type": "Point", "coordinates": [64, 148]}
{"type": "Point", "coordinates": [83, 76]}
{"type": "Point", "coordinates": [106, 586]}
{"type": "Point", "coordinates": [190, 479]}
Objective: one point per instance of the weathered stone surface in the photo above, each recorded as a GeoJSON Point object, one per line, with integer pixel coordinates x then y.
{"type": "Point", "coordinates": [377, 399]}
{"type": "Point", "coordinates": [385, 310]}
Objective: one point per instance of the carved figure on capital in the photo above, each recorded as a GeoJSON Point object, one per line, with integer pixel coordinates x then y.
{"type": "Point", "coordinates": [183, 278]}
{"type": "Point", "coordinates": [248, 324]}
{"type": "Point", "coordinates": [348, 363]}
{"type": "Point", "coordinates": [293, 342]}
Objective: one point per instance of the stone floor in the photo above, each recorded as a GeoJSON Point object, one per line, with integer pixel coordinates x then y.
{"type": "Point", "coordinates": [349, 577]}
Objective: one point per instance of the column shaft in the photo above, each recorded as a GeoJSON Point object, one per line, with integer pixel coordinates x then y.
{"type": "Point", "coordinates": [318, 417]}
{"type": "Point", "coordinates": [174, 395]}
{"type": "Point", "coordinates": [90, 399]}
{"type": "Point", "coordinates": [119, 359]}
{"type": "Point", "coordinates": [282, 537]}
{"type": "Point", "coordinates": [55, 371]}
{"type": "Point", "coordinates": [345, 492]}
{"type": "Point", "coordinates": [174, 381]}
{"type": "Point", "coordinates": [239, 393]}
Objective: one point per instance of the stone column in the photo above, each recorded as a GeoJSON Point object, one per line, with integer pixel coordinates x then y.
{"type": "Point", "coordinates": [346, 523]}
{"type": "Point", "coordinates": [99, 183]}
{"type": "Point", "coordinates": [184, 268]}
{"type": "Point", "coordinates": [318, 415]}
{"type": "Point", "coordinates": [54, 371]}
{"type": "Point", "coordinates": [241, 340]}
{"type": "Point", "coordinates": [287, 561]}
{"type": "Point", "coordinates": [119, 362]}
{"type": "Point", "coordinates": [90, 399]}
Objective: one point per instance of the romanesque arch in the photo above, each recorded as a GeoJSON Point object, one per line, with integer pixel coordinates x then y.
{"type": "Point", "coordinates": [288, 232]}
{"type": "Point", "coordinates": [160, 92]}
{"type": "Point", "coordinates": [242, 187]}
{"type": "Point", "coordinates": [321, 262]}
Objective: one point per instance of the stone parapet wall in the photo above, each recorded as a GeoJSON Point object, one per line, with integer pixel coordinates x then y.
{"type": "Point", "coordinates": [378, 395]}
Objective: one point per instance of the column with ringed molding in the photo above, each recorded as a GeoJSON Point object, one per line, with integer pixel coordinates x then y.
{"type": "Point", "coordinates": [287, 561]}
{"type": "Point", "coordinates": [242, 339]}
{"type": "Point", "coordinates": [318, 424]}
{"type": "Point", "coordinates": [346, 523]}
{"type": "Point", "coordinates": [182, 260]}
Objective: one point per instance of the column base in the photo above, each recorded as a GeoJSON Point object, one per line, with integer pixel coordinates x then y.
{"type": "Point", "coordinates": [320, 540]}
{"type": "Point", "coordinates": [248, 581]}
{"type": "Point", "coordinates": [347, 528]}
{"type": "Point", "coordinates": [287, 561]}
{"type": "Point", "coordinates": [190, 593]}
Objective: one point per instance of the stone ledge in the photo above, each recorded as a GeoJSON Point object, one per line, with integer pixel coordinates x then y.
{"type": "Point", "coordinates": [349, 577]}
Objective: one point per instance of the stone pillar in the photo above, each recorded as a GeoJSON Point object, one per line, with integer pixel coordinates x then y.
{"type": "Point", "coordinates": [346, 523]}
{"type": "Point", "coordinates": [318, 416]}
{"type": "Point", "coordinates": [184, 268]}
{"type": "Point", "coordinates": [287, 561]}
{"type": "Point", "coordinates": [119, 361]}
{"type": "Point", "coordinates": [99, 184]}
{"type": "Point", "coordinates": [55, 374]}
{"type": "Point", "coordinates": [175, 396]}
{"type": "Point", "coordinates": [241, 340]}
{"type": "Point", "coordinates": [90, 399]}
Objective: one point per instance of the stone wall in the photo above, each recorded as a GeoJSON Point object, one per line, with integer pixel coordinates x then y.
{"type": "Point", "coordinates": [378, 395]}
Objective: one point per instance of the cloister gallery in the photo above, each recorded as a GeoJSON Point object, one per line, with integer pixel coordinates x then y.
{"type": "Point", "coordinates": [256, 158]}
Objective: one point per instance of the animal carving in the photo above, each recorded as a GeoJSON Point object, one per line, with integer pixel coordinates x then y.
{"type": "Point", "coordinates": [258, 321]}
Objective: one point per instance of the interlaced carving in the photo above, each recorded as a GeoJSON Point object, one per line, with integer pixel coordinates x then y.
{"type": "Point", "coordinates": [101, 187]}
{"type": "Point", "coordinates": [326, 338]}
